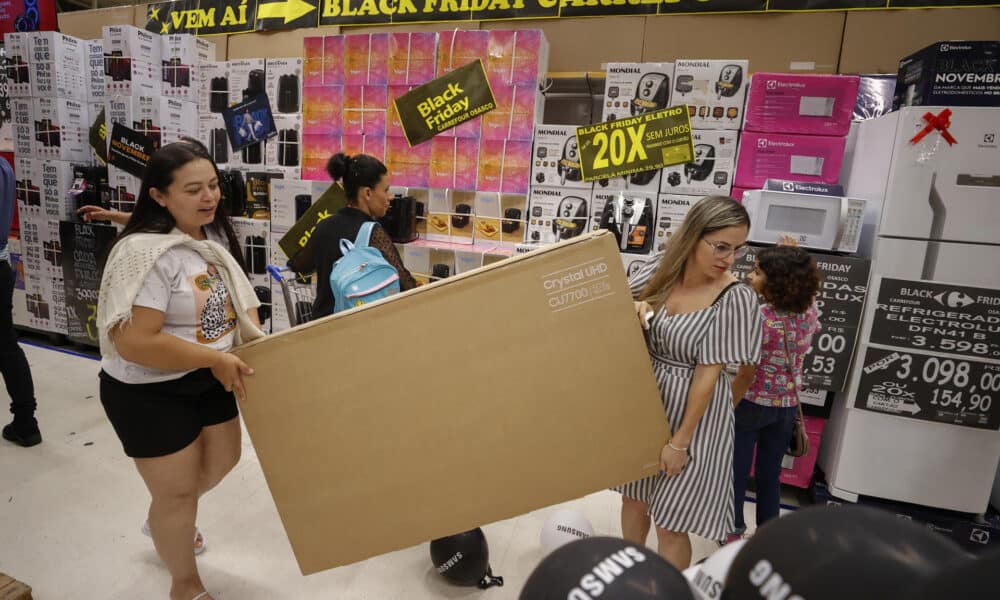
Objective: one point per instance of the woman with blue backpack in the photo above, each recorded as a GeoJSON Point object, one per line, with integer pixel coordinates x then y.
{"type": "Point", "coordinates": [354, 234]}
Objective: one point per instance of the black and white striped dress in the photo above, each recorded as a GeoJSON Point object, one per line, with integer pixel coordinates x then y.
{"type": "Point", "coordinates": [700, 499]}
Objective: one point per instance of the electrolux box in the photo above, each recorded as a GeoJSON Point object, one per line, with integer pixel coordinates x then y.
{"type": "Point", "coordinates": [17, 47]}
{"type": "Point", "coordinates": [127, 41]}
{"type": "Point", "coordinates": [711, 172]}
{"type": "Point", "coordinates": [950, 74]}
{"type": "Point", "coordinates": [588, 328]}
{"type": "Point", "coordinates": [635, 88]}
{"type": "Point", "coordinates": [284, 85]}
{"type": "Point", "coordinates": [714, 90]}
{"type": "Point", "coordinates": [805, 158]}
{"type": "Point", "coordinates": [802, 104]}
{"type": "Point", "coordinates": [556, 214]}
{"type": "Point", "coordinates": [62, 129]}
{"type": "Point", "coordinates": [555, 159]}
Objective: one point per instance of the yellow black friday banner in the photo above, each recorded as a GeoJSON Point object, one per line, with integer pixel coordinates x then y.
{"type": "Point", "coordinates": [209, 17]}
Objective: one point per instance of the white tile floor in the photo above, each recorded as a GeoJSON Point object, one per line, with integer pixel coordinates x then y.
{"type": "Point", "coordinates": [71, 509]}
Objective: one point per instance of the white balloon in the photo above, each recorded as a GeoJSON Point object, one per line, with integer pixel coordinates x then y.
{"type": "Point", "coordinates": [710, 578]}
{"type": "Point", "coordinates": [564, 526]}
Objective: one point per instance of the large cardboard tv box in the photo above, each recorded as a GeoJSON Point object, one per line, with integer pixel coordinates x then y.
{"type": "Point", "coordinates": [484, 396]}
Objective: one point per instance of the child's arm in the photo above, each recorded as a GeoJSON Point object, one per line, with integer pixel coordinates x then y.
{"type": "Point", "coordinates": [744, 378]}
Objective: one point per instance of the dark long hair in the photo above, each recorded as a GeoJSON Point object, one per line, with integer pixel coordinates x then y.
{"type": "Point", "coordinates": [356, 172]}
{"type": "Point", "coordinates": [149, 217]}
{"type": "Point", "coordinates": [792, 278]}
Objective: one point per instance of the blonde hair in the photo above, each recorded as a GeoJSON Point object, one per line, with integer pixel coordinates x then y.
{"type": "Point", "coordinates": [709, 214]}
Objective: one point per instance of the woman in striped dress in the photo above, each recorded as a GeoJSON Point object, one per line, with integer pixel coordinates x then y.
{"type": "Point", "coordinates": [699, 318]}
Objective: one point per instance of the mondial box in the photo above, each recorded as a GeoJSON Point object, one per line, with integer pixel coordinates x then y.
{"type": "Point", "coordinates": [711, 171]}
{"type": "Point", "coordinates": [556, 214]}
{"type": "Point", "coordinates": [714, 90]}
{"type": "Point", "coordinates": [555, 159]}
{"type": "Point", "coordinates": [635, 88]}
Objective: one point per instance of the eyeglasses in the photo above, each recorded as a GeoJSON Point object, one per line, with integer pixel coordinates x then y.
{"type": "Point", "coordinates": [724, 250]}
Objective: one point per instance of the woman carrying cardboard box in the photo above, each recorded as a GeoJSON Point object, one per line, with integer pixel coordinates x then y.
{"type": "Point", "coordinates": [699, 318]}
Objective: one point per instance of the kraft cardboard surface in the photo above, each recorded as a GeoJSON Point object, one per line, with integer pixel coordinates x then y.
{"type": "Point", "coordinates": [272, 44]}
{"type": "Point", "coordinates": [585, 44]}
{"type": "Point", "coordinates": [87, 24]}
{"type": "Point", "coordinates": [798, 43]}
{"type": "Point", "coordinates": [484, 396]}
{"type": "Point", "coordinates": [875, 41]}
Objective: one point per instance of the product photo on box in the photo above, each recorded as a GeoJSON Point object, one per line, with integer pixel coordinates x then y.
{"type": "Point", "coordinates": [247, 78]}
{"type": "Point", "coordinates": [555, 159]}
{"type": "Point", "coordinates": [130, 77]}
{"type": "Point", "coordinates": [214, 91]}
{"type": "Point", "coordinates": [181, 65]}
{"type": "Point", "coordinates": [62, 129]}
{"type": "Point", "coordinates": [802, 104]}
{"type": "Point", "coordinates": [17, 47]}
{"type": "Point", "coordinates": [805, 158]}
{"type": "Point", "coordinates": [630, 217]}
{"type": "Point", "coordinates": [212, 133]}
{"type": "Point", "coordinates": [714, 90]}
{"type": "Point", "coordinates": [711, 172]}
{"type": "Point", "coordinates": [132, 42]}
{"type": "Point", "coordinates": [284, 84]}
{"type": "Point", "coordinates": [632, 89]}
{"type": "Point", "coordinates": [284, 149]}
{"type": "Point", "coordinates": [28, 188]}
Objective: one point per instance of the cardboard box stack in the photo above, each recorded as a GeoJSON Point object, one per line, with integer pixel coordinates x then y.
{"type": "Point", "coordinates": [471, 181]}
{"type": "Point", "coordinates": [796, 128]}
{"type": "Point", "coordinates": [562, 205]}
{"type": "Point", "coordinates": [54, 96]}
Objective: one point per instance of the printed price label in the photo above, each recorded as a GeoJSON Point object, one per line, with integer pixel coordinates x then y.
{"type": "Point", "coordinates": [636, 144]}
{"type": "Point", "coordinates": [930, 388]}
{"type": "Point", "coordinates": [829, 358]}
{"type": "Point", "coordinates": [946, 318]}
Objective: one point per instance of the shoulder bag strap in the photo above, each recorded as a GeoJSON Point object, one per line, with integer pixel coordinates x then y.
{"type": "Point", "coordinates": [723, 292]}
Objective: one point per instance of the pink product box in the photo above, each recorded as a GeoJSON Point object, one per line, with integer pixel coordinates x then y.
{"type": "Point", "coordinates": [393, 126]}
{"type": "Point", "coordinates": [411, 58]}
{"type": "Point", "coordinates": [312, 62]}
{"type": "Point", "coordinates": [500, 57]}
{"type": "Point", "coordinates": [798, 472]}
{"type": "Point", "coordinates": [805, 158]}
{"type": "Point", "coordinates": [454, 163]}
{"type": "Point", "coordinates": [805, 104]}
{"type": "Point", "coordinates": [372, 145]}
{"type": "Point", "coordinates": [334, 59]}
{"type": "Point", "coordinates": [322, 109]}
{"type": "Point", "coordinates": [736, 193]}
{"type": "Point", "coordinates": [316, 151]}
{"type": "Point", "coordinates": [456, 49]}
{"type": "Point", "coordinates": [374, 122]}
{"type": "Point", "coordinates": [356, 50]}
{"type": "Point", "coordinates": [516, 167]}
{"type": "Point", "coordinates": [528, 49]}
{"type": "Point", "coordinates": [491, 158]}
{"type": "Point", "coordinates": [378, 59]}
{"type": "Point", "coordinates": [408, 167]}
{"type": "Point", "coordinates": [522, 125]}
{"type": "Point", "coordinates": [496, 123]}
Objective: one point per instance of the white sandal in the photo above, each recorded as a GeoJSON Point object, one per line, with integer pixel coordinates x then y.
{"type": "Point", "coordinates": [197, 550]}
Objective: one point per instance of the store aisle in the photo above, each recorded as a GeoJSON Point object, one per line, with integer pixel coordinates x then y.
{"type": "Point", "coordinates": [71, 509]}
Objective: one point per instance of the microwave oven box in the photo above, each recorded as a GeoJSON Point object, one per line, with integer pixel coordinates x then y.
{"type": "Point", "coordinates": [803, 104]}
{"type": "Point", "coordinates": [804, 158]}
{"type": "Point", "coordinates": [714, 90]}
{"type": "Point", "coordinates": [340, 493]}
{"type": "Point", "coordinates": [711, 172]}
{"type": "Point", "coordinates": [950, 74]}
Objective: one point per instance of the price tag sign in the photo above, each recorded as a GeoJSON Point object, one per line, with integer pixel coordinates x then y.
{"type": "Point", "coordinates": [636, 144]}
{"type": "Point", "coordinates": [954, 319]}
{"type": "Point", "coordinates": [84, 245]}
{"type": "Point", "coordinates": [930, 388]}
{"type": "Point", "coordinates": [829, 358]}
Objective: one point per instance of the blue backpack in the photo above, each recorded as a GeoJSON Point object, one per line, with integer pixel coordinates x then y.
{"type": "Point", "coordinates": [362, 275]}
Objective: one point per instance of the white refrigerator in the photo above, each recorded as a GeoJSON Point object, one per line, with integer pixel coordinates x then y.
{"type": "Point", "coordinates": [919, 421]}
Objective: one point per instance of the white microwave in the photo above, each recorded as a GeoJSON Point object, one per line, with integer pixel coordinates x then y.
{"type": "Point", "coordinates": [818, 222]}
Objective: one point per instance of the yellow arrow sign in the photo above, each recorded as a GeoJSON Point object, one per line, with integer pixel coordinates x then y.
{"type": "Point", "coordinates": [289, 10]}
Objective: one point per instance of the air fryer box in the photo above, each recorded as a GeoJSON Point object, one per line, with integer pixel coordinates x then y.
{"type": "Point", "coordinates": [132, 42]}
{"type": "Point", "coordinates": [284, 85]}
{"type": "Point", "coordinates": [23, 113]}
{"type": "Point", "coordinates": [711, 172]}
{"type": "Point", "coordinates": [17, 47]}
{"type": "Point", "coordinates": [248, 74]}
{"type": "Point", "coordinates": [212, 133]}
{"type": "Point", "coordinates": [290, 198]}
{"type": "Point", "coordinates": [58, 65]}
{"type": "Point", "coordinates": [647, 181]}
{"type": "Point", "coordinates": [637, 242]}
{"type": "Point", "coordinates": [500, 219]}
{"type": "Point", "coordinates": [671, 211]}
{"type": "Point", "coordinates": [285, 148]}
{"type": "Point", "coordinates": [803, 104]}
{"type": "Point", "coordinates": [214, 81]}
{"type": "Point", "coordinates": [556, 214]}
{"type": "Point", "coordinates": [805, 158]}
{"type": "Point", "coordinates": [950, 74]}
{"type": "Point", "coordinates": [714, 90]}
{"type": "Point", "coordinates": [555, 159]}
{"type": "Point", "coordinates": [636, 88]}
{"type": "Point", "coordinates": [417, 260]}
{"type": "Point", "coordinates": [62, 129]}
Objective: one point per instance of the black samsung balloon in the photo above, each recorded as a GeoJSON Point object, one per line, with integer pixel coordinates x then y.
{"type": "Point", "coordinates": [464, 559]}
{"type": "Point", "coordinates": [606, 568]}
{"type": "Point", "coordinates": [970, 578]}
{"type": "Point", "coordinates": [833, 553]}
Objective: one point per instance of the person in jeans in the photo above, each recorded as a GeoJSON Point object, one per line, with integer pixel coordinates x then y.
{"type": "Point", "coordinates": [23, 430]}
{"type": "Point", "coordinates": [787, 279]}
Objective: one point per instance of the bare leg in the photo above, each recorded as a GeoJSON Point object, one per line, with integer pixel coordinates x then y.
{"type": "Point", "coordinates": [635, 520]}
{"type": "Point", "coordinates": [675, 547]}
{"type": "Point", "coordinates": [220, 453]}
{"type": "Point", "coordinates": [173, 483]}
